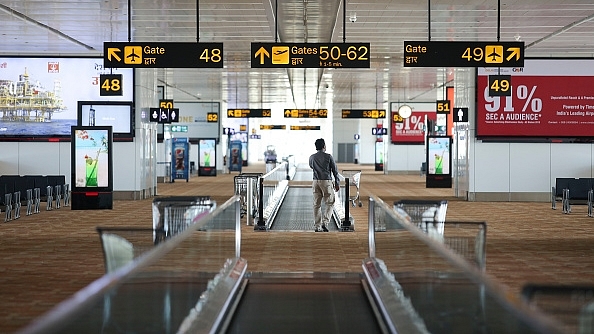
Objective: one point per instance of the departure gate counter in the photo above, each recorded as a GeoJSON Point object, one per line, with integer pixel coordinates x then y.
{"type": "Point", "coordinates": [199, 281]}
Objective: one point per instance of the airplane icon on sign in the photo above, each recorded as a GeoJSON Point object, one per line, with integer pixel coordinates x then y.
{"type": "Point", "coordinates": [494, 55]}
{"type": "Point", "coordinates": [133, 55]}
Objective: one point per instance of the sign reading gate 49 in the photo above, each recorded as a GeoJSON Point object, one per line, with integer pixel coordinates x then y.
{"type": "Point", "coordinates": [463, 54]}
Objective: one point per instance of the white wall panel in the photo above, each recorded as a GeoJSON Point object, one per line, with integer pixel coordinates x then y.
{"type": "Point", "coordinates": [570, 160]}
{"type": "Point", "coordinates": [9, 158]}
{"type": "Point", "coordinates": [415, 155]}
{"type": "Point", "coordinates": [124, 166]}
{"type": "Point", "coordinates": [397, 157]}
{"type": "Point", "coordinates": [41, 158]}
{"type": "Point", "coordinates": [491, 164]}
{"type": "Point", "coordinates": [529, 167]}
{"type": "Point", "coordinates": [65, 163]}
{"type": "Point", "coordinates": [404, 158]}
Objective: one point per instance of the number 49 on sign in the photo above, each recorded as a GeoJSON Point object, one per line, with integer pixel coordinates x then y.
{"type": "Point", "coordinates": [499, 85]}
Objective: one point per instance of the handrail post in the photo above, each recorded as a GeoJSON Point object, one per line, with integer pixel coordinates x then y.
{"type": "Point", "coordinates": [371, 221]}
{"type": "Point", "coordinates": [347, 219]}
{"type": "Point", "coordinates": [261, 204]}
{"type": "Point", "coordinates": [238, 227]}
{"type": "Point", "coordinates": [249, 200]}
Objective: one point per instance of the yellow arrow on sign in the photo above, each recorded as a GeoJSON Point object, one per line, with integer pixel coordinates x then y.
{"type": "Point", "coordinates": [262, 52]}
{"type": "Point", "coordinates": [111, 52]}
{"type": "Point", "coordinates": [514, 52]}
{"type": "Point", "coordinates": [287, 113]}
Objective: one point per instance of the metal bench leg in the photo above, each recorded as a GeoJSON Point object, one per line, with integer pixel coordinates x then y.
{"type": "Point", "coordinates": [17, 204]}
{"type": "Point", "coordinates": [58, 196]}
{"type": "Point", "coordinates": [50, 198]}
{"type": "Point", "coordinates": [37, 200]}
{"type": "Point", "coordinates": [590, 198]}
{"type": "Point", "coordinates": [29, 202]}
{"type": "Point", "coordinates": [66, 195]}
{"type": "Point", "coordinates": [8, 202]}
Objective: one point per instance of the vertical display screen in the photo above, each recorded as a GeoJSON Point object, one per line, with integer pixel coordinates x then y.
{"type": "Point", "coordinates": [207, 152]}
{"type": "Point", "coordinates": [439, 155]}
{"type": "Point", "coordinates": [91, 157]}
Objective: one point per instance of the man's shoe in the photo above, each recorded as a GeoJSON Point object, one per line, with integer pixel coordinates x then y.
{"type": "Point", "coordinates": [324, 228]}
{"type": "Point", "coordinates": [318, 230]}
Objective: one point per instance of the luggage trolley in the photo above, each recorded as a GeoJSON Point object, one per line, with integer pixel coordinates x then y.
{"type": "Point", "coordinates": [173, 214]}
{"type": "Point", "coordinates": [429, 216]}
{"type": "Point", "coordinates": [241, 185]}
{"type": "Point", "coordinates": [354, 177]}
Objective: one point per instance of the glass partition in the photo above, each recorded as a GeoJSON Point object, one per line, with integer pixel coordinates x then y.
{"type": "Point", "coordinates": [273, 186]}
{"type": "Point", "coordinates": [162, 288]}
{"type": "Point", "coordinates": [448, 292]}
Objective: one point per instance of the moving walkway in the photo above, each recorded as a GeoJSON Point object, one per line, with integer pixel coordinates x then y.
{"type": "Point", "coordinates": [409, 283]}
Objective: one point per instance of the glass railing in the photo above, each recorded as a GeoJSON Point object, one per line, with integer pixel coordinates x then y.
{"type": "Point", "coordinates": [180, 284]}
{"type": "Point", "coordinates": [449, 293]}
{"type": "Point", "coordinates": [273, 186]}
{"type": "Point", "coordinates": [291, 167]}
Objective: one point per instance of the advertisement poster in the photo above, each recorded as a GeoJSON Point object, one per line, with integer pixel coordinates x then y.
{"type": "Point", "coordinates": [379, 155]}
{"type": "Point", "coordinates": [180, 157]}
{"type": "Point", "coordinates": [235, 161]}
{"type": "Point", "coordinates": [43, 93]}
{"type": "Point", "coordinates": [91, 158]}
{"type": "Point", "coordinates": [439, 155]}
{"type": "Point", "coordinates": [549, 98]}
{"type": "Point", "coordinates": [207, 157]}
{"type": "Point", "coordinates": [411, 130]}
{"type": "Point", "coordinates": [439, 162]}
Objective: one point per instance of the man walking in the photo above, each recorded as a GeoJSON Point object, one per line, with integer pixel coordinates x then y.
{"type": "Point", "coordinates": [324, 168]}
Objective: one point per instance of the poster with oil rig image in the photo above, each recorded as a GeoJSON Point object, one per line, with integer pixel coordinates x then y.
{"type": "Point", "coordinates": [38, 96]}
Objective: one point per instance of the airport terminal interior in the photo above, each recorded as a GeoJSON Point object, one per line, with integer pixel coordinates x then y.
{"type": "Point", "coordinates": [154, 173]}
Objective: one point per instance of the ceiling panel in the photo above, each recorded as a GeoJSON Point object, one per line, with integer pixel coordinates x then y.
{"type": "Point", "coordinates": [80, 27]}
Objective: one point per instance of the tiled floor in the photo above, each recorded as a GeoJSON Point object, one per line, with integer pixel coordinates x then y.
{"type": "Point", "coordinates": [49, 256]}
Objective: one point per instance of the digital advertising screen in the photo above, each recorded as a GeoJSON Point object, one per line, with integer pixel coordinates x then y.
{"type": "Point", "coordinates": [91, 158]}
{"type": "Point", "coordinates": [39, 95]}
{"type": "Point", "coordinates": [207, 157]}
{"type": "Point", "coordinates": [548, 98]}
{"type": "Point", "coordinates": [438, 155]}
{"type": "Point", "coordinates": [207, 152]}
{"type": "Point", "coordinates": [411, 130]}
{"type": "Point", "coordinates": [118, 115]}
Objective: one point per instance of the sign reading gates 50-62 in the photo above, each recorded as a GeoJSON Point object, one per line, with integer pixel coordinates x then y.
{"type": "Point", "coordinates": [310, 55]}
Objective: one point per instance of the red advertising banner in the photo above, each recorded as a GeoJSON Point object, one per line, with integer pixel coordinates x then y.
{"type": "Point", "coordinates": [549, 98]}
{"type": "Point", "coordinates": [411, 130]}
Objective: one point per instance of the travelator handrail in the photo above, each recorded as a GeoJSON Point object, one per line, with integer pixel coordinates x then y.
{"type": "Point", "coordinates": [273, 187]}
{"type": "Point", "coordinates": [291, 167]}
{"type": "Point", "coordinates": [76, 306]}
{"type": "Point", "coordinates": [442, 257]}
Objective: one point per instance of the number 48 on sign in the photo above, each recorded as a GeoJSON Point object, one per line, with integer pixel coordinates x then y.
{"type": "Point", "coordinates": [110, 85]}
